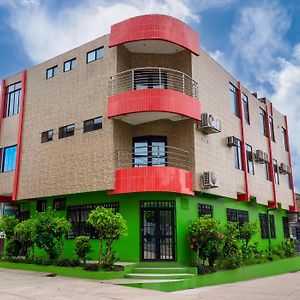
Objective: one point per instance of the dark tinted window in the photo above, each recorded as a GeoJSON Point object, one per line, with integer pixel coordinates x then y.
{"type": "Point", "coordinates": [263, 125]}
{"type": "Point", "coordinates": [66, 131]}
{"type": "Point", "coordinates": [250, 163]}
{"type": "Point", "coordinates": [47, 136]}
{"type": "Point", "coordinates": [246, 108]}
{"type": "Point", "coordinates": [59, 203]}
{"type": "Point", "coordinates": [205, 210]}
{"type": "Point", "coordinates": [41, 205]}
{"type": "Point", "coordinates": [286, 227]}
{"type": "Point", "coordinates": [92, 124]}
{"type": "Point", "coordinates": [240, 216]}
{"type": "Point", "coordinates": [238, 156]}
{"type": "Point", "coordinates": [263, 220]}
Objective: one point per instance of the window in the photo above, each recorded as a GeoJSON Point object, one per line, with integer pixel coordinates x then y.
{"type": "Point", "coordinates": [94, 55]}
{"type": "Point", "coordinates": [66, 131]}
{"type": "Point", "coordinates": [250, 163]}
{"type": "Point", "coordinates": [238, 156]}
{"type": "Point", "coordinates": [234, 100]}
{"type": "Point", "coordinates": [77, 215]}
{"type": "Point", "coordinates": [240, 216]}
{"type": "Point", "coordinates": [51, 72]}
{"type": "Point", "coordinates": [286, 227]}
{"type": "Point", "coordinates": [41, 205]}
{"type": "Point", "coordinates": [264, 230]}
{"type": "Point", "coordinates": [205, 210]}
{"type": "Point", "coordinates": [276, 171]}
{"type": "Point", "coordinates": [59, 203]}
{"type": "Point", "coordinates": [272, 226]}
{"type": "Point", "coordinates": [69, 65]}
{"type": "Point", "coordinates": [9, 156]}
{"type": "Point", "coordinates": [285, 139]}
{"type": "Point", "coordinates": [272, 128]}
{"type": "Point", "coordinates": [47, 136]}
{"type": "Point", "coordinates": [246, 108]}
{"type": "Point", "coordinates": [267, 171]}
{"type": "Point", "coordinates": [24, 215]}
{"type": "Point", "coordinates": [92, 124]}
{"type": "Point", "coordinates": [12, 102]}
{"type": "Point", "coordinates": [263, 123]}
{"type": "Point", "coordinates": [149, 151]}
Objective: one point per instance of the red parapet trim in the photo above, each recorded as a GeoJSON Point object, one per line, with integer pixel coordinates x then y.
{"type": "Point", "coordinates": [153, 179]}
{"type": "Point", "coordinates": [153, 100]}
{"type": "Point", "coordinates": [5, 199]}
{"type": "Point", "coordinates": [3, 89]}
{"type": "Point", "coordinates": [271, 204]}
{"type": "Point", "coordinates": [20, 129]}
{"type": "Point", "coordinates": [155, 27]}
{"type": "Point", "coordinates": [246, 196]}
{"type": "Point", "coordinates": [293, 208]}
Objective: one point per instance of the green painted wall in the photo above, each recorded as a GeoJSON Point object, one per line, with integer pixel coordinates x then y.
{"type": "Point", "coordinates": [128, 248]}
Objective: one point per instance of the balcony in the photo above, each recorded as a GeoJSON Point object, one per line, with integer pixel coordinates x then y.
{"type": "Point", "coordinates": [143, 95]}
{"type": "Point", "coordinates": [153, 169]}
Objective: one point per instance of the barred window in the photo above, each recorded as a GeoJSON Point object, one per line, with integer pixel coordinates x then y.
{"type": "Point", "coordinates": [41, 205]}
{"type": "Point", "coordinates": [240, 216]}
{"type": "Point", "coordinates": [205, 210]}
{"type": "Point", "coordinates": [78, 215]}
{"type": "Point", "coordinates": [263, 220]}
{"type": "Point", "coordinates": [24, 215]}
{"type": "Point", "coordinates": [272, 226]}
{"type": "Point", "coordinates": [59, 203]}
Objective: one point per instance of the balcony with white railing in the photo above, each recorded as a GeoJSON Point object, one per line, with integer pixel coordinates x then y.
{"type": "Point", "coordinates": [153, 93]}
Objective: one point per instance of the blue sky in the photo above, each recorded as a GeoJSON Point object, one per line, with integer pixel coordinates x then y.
{"type": "Point", "coordinates": [257, 41]}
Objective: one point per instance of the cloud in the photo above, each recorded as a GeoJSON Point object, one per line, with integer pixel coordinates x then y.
{"type": "Point", "coordinates": [46, 32]}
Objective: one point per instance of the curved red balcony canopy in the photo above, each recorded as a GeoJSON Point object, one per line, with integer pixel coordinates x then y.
{"type": "Point", "coordinates": [155, 27]}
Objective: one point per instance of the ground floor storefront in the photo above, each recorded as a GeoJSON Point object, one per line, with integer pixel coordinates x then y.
{"type": "Point", "coordinates": [157, 222]}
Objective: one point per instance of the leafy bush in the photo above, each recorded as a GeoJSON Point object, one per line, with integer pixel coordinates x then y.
{"type": "Point", "coordinates": [91, 267]}
{"type": "Point", "coordinates": [206, 239]}
{"type": "Point", "coordinates": [82, 247]}
{"type": "Point", "coordinates": [231, 255]}
{"type": "Point", "coordinates": [8, 224]}
{"type": "Point", "coordinates": [49, 231]}
{"type": "Point", "coordinates": [109, 227]}
{"type": "Point", "coordinates": [247, 231]}
{"type": "Point", "coordinates": [13, 247]}
{"type": "Point", "coordinates": [285, 249]}
{"type": "Point", "coordinates": [68, 263]}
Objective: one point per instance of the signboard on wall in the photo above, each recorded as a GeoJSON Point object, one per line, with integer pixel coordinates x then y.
{"type": "Point", "coordinates": [10, 209]}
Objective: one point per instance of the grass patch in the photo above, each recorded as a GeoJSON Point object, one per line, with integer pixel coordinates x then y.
{"type": "Point", "coordinates": [64, 271]}
{"type": "Point", "coordinates": [222, 277]}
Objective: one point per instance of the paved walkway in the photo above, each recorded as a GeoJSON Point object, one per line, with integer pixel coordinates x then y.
{"type": "Point", "coordinates": [16, 285]}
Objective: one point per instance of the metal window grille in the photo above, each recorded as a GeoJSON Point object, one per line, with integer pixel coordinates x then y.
{"type": "Point", "coordinates": [205, 210]}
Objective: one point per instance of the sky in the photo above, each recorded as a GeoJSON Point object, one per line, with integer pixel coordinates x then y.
{"type": "Point", "coordinates": [256, 41]}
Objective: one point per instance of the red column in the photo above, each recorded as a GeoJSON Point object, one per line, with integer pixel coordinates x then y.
{"type": "Point", "coordinates": [293, 208]}
{"type": "Point", "coordinates": [271, 204]}
{"type": "Point", "coordinates": [246, 196]}
{"type": "Point", "coordinates": [19, 148]}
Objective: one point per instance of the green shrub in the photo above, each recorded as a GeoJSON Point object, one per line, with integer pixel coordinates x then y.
{"type": "Point", "coordinates": [82, 247]}
{"type": "Point", "coordinates": [205, 239]}
{"type": "Point", "coordinates": [91, 267]}
{"type": "Point", "coordinates": [68, 263]}
{"type": "Point", "coordinates": [285, 249]}
{"type": "Point", "coordinates": [13, 247]}
{"type": "Point", "coordinates": [231, 254]}
{"type": "Point", "coordinates": [8, 224]}
{"type": "Point", "coordinates": [247, 231]}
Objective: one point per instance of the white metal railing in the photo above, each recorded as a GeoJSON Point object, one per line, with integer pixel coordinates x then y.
{"type": "Point", "coordinates": [143, 156]}
{"type": "Point", "coordinates": [153, 78]}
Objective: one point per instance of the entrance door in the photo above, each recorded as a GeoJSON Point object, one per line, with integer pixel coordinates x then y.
{"type": "Point", "coordinates": [158, 230]}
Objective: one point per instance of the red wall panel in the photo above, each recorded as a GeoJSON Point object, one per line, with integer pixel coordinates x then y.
{"type": "Point", "coordinates": [160, 100]}
{"type": "Point", "coordinates": [155, 27]}
{"type": "Point", "coordinates": [153, 179]}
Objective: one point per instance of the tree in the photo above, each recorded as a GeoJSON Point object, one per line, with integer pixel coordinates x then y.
{"type": "Point", "coordinates": [8, 224]}
{"type": "Point", "coordinates": [25, 233]}
{"type": "Point", "coordinates": [247, 231]}
{"type": "Point", "coordinates": [206, 239]}
{"type": "Point", "coordinates": [82, 247]}
{"type": "Point", "coordinates": [49, 231]}
{"type": "Point", "coordinates": [109, 227]}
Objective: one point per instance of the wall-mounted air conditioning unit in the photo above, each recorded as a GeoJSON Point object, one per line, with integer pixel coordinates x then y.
{"type": "Point", "coordinates": [209, 124]}
{"type": "Point", "coordinates": [259, 156]}
{"type": "Point", "coordinates": [210, 180]}
{"type": "Point", "coordinates": [266, 157]}
{"type": "Point", "coordinates": [284, 169]}
{"type": "Point", "coordinates": [232, 141]}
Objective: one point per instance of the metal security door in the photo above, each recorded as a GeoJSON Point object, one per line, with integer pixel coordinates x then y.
{"type": "Point", "coordinates": [158, 230]}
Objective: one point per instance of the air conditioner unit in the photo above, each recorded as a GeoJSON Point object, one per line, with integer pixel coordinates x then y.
{"type": "Point", "coordinates": [210, 180]}
{"type": "Point", "coordinates": [284, 169]}
{"type": "Point", "coordinates": [232, 141]}
{"type": "Point", "coordinates": [209, 124]}
{"type": "Point", "coordinates": [266, 157]}
{"type": "Point", "coordinates": [259, 156]}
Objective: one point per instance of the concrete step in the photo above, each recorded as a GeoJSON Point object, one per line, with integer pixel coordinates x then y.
{"type": "Point", "coordinates": [159, 275]}
{"type": "Point", "coordinates": [164, 270]}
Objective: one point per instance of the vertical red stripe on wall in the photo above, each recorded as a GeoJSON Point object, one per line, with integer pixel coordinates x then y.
{"type": "Point", "coordinates": [19, 148]}
{"type": "Point", "coordinates": [293, 208]}
{"type": "Point", "coordinates": [246, 196]}
{"type": "Point", "coordinates": [271, 204]}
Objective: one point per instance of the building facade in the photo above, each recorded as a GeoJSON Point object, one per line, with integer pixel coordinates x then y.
{"type": "Point", "coordinates": [143, 121]}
